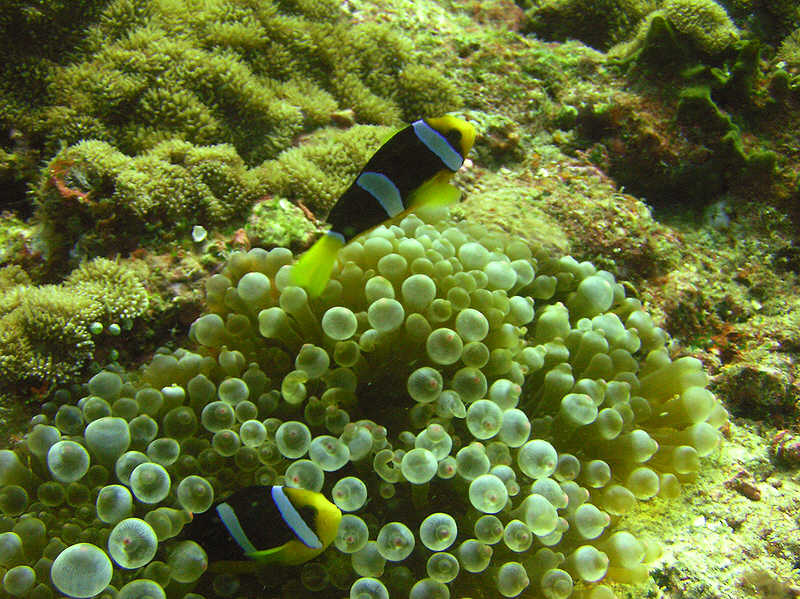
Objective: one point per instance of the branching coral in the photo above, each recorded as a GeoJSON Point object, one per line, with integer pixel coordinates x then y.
{"type": "Point", "coordinates": [484, 412]}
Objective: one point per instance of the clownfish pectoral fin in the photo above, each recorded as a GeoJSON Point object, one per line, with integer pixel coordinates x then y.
{"type": "Point", "coordinates": [434, 192]}
{"type": "Point", "coordinates": [314, 268]}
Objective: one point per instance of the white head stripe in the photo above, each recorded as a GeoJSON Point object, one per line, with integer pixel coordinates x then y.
{"type": "Point", "coordinates": [438, 144]}
{"type": "Point", "coordinates": [293, 519]}
{"type": "Point", "coordinates": [231, 522]}
{"type": "Point", "coordinates": [381, 187]}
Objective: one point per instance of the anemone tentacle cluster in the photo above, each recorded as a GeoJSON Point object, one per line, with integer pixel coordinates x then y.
{"type": "Point", "coordinates": [473, 405]}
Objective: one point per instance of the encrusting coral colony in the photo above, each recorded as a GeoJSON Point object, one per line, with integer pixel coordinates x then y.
{"type": "Point", "coordinates": [481, 411]}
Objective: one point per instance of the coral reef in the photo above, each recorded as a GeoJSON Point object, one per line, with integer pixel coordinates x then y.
{"type": "Point", "coordinates": [233, 72]}
{"type": "Point", "coordinates": [712, 87]}
{"type": "Point", "coordinates": [679, 30]}
{"type": "Point", "coordinates": [99, 200]}
{"type": "Point", "coordinates": [35, 37]}
{"type": "Point", "coordinates": [704, 22]}
{"type": "Point", "coordinates": [597, 24]}
{"type": "Point", "coordinates": [157, 82]}
{"type": "Point", "coordinates": [48, 332]}
{"type": "Point", "coordinates": [500, 410]}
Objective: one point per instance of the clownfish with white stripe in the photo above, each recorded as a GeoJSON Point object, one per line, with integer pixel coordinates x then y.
{"type": "Point", "coordinates": [411, 169]}
{"type": "Point", "coordinates": [262, 525]}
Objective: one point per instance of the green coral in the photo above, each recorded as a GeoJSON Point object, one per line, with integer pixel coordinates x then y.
{"type": "Point", "coordinates": [318, 171]}
{"type": "Point", "coordinates": [12, 276]}
{"type": "Point", "coordinates": [458, 392]}
{"type": "Point", "coordinates": [691, 49]}
{"type": "Point", "coordinates": [704, 22]}
{"type": "Point", "coordinates": [34, 36]}
{"type": "Point", "coordinates": [46, 332]}
{"type": "Point", "coordinates": [44, 335]}
{"type": "Point", "coordinates": [277, 222]}
{"type": "Point", "coordinates": [678, 33]}
{"type": "Point", "coordinates": [158, 79]}
{"type": "Point", "coordinates": [115, 286]}
{"type": "Point", "coordinates": [789, 50]}
{"type": "Point", "coordinates": [597, 24]}
{"type": "Point", "coordinates": [422, 92]}
{"type": "Point", "coordinates": [252, 74]}
{"type": "Point", "coordinates": [102, 201]}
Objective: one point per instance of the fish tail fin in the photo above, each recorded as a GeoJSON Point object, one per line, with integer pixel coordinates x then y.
{"type": "Point", "coordinates": [314, 268]}
{"type": "Point", "coordinates": [436, 191]}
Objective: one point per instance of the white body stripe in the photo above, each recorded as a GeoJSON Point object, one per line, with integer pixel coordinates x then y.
{"type": "Point", "coordinates": [231, 522]}
{"type": "Point", "coordinates": [437, 144]}
{"type": "Point", "coordinates": [380, 187]}
{"type": "Point", "coordinates": [294, 520]}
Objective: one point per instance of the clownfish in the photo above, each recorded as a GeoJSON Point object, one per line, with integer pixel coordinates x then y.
{"type": "Point", "coordinates": [260, 525]}
{"type": "Point", "coordinates": [411, 169]}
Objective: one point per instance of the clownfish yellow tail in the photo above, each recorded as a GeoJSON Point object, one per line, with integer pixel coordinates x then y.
{"type": "Point", "coordinates": [314, 268]}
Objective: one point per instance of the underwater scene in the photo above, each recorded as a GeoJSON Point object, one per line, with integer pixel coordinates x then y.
{"type": "Point", "coordinates": [394, 299]}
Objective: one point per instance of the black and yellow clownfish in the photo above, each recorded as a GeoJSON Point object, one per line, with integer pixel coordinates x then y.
{"type": "Point", "coordinates": [260, 525]}
{"type": "Point", "coordinates": [413, 168]}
